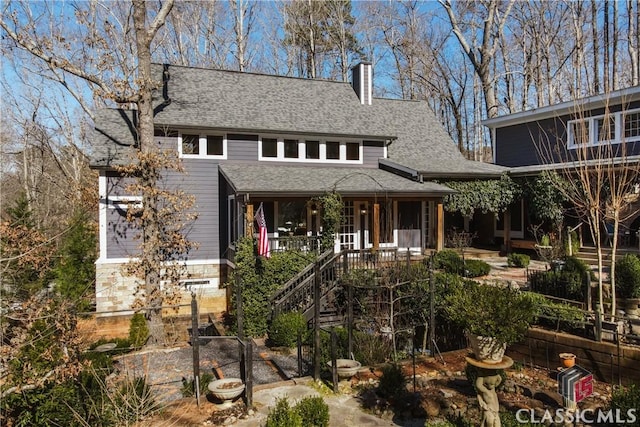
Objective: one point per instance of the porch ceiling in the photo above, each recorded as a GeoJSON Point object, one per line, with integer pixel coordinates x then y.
{"type": "Point", "coordinates": [311, 180]}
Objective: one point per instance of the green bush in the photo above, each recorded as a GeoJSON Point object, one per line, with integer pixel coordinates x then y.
{"type": "Point", "coordinates": [449, 261]}
{"type": "Point", "coordinates": [138, 330]}
{"type": "Point", "coordinates": [625, 399]}
{"type": "Point", "coordinates": [313, 411]}
{"type": "Point", "coordinates": [568, 283]}
{"type": "Point", "coordinates": [282, 415]}
{"type": "Point", "coordinates": [574, 264]}
{"type": "Point", "coordinates": [490, 311]}
{"type": "Point", "coordinates": [518, 260]}
{"type": "Point", "coordinates": [286, 327]}
{"type": "Point", "coordinates": [476, 268]}
{"type": "Point", "coordinates": [392, 383]}
{"type": "Point", "coordinates": [628, 276]}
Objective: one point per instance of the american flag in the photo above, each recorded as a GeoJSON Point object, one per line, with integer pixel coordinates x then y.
{"type": "Point", "coordinates": [263, 239]}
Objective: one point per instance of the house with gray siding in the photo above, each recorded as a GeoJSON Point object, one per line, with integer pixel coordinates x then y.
{"type": "Point", "coordinates": [247, 140]}
{"type": "Point", "coordinates": [561, 136]}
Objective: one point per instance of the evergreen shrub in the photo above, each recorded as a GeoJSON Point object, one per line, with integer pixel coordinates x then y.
{"type": "Point", "coordinates": [518, 260]}
{"type": "Point", "coordinates": [285, 327]}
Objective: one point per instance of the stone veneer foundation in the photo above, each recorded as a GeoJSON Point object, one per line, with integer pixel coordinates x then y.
{"type": "Point", "coordinates": [115, 292]}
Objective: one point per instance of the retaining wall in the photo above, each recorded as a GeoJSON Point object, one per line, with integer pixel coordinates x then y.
{"type": "Point", "coordinates": [611, 363]}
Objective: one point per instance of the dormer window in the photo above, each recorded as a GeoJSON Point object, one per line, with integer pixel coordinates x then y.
{"type": "Point", "coordinates": [305, 150]}
{"type": "Point", "coordinates": [193, 145]}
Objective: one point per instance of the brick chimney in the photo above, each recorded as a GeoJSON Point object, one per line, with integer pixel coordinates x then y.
{"type": "Point", "coordinates": [362, 83]}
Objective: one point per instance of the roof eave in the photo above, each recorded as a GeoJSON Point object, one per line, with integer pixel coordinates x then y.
{"type": "Point", "coordinates": [564, 108]}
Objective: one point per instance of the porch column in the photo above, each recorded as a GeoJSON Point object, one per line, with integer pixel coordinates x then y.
{"type": "Point", "coordinates": [507, 230]}
{"type": "Point", "coordinates": [439, 226]}
{"type": "Point", "coordinates": [376, 226]}
{"type": "Point", "coordinates": [249, 221]}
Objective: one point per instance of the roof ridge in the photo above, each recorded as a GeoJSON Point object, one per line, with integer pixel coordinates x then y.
{"type": "Point", "coordinates": [251, 73]}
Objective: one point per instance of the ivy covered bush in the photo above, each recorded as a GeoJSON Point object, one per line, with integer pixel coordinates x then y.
{"type": "Point", "coordinates": [285, 328]}
{"type": "Point", "coordinates": [518, 260]}
{"type": "Point", "coordinates": [260, 278]}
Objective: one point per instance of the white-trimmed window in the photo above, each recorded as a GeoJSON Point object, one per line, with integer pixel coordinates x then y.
{"type": "Point", "coordinates": [123, 203]}
{"type": "Point", "coordinates": [271, 148]}
{"type": "Point", "coordinates": [612, 128]}
{"type": "Point", "coordinates": [197, 145]}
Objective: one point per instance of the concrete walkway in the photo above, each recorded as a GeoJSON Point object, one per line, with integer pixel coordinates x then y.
{"type": "Point", "coordinates": [344, 410]}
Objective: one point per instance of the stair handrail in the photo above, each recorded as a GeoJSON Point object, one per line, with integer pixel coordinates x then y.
{"type": "Point", "coordinates": [306, 272]}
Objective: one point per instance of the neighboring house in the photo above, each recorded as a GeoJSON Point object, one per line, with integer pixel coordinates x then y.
{"type": "Point", "coordinates": [250, 139]}
{"type": "Point", "coordinates": [560, 136]}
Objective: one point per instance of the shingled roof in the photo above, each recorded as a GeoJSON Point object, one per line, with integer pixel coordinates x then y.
{"type": "Point", "coordinates": [304, 180]}
{"type": "Point", "coordinates": [246, 102]}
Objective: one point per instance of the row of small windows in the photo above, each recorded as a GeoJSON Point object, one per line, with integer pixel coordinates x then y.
{"type": "Point", "coordinates": [197, 145]}
{"type": "Point", "coordinates": [274, 148]}
{"type": "Point", "coordinates": [614, 127]}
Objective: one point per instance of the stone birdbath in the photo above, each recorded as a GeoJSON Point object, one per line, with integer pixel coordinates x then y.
{"type": "Point", "coordinates": [346, 368]}
{"type": "Point", "coordinates": [226, 390]}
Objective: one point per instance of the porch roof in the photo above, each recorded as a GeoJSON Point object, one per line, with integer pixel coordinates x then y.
{"type": "Point", "coordinates": [312, 180]}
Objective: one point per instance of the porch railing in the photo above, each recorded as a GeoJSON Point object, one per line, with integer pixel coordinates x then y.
{"type": "Point", "coordinates": [295, 243]}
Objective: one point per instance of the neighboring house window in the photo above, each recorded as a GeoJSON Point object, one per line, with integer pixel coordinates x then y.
{"type": "Point", "coordinates": [606, 129]}
{"type": "Point", "coordinates": [202, 146]}
{"type": "Point", "coordinates": [612, 128]}
{"type": "Point", "coordinates": [632, 125]}
{"type": "Point", "coordinates": [298, 150]}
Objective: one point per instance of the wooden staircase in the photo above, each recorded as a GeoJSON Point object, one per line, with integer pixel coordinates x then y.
{"type": "Point", "coordinates": [325, 274]}
{"type": "Point", "coordinates": [589, 254]}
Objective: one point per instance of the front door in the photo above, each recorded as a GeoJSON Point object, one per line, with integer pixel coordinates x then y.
{"type": "Point", "coordinates": [354, 232]}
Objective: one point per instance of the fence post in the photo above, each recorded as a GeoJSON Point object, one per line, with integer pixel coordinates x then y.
{"type": "Point", "coordinates": [195, 346]}
{"type": "Point", "coordinates": [350, 318]}
{"type": "Point", "coordinates": [408, 257]}
{"type": "Point", "coordinates": [239, 308]}
{"type": "Point", "coordinates": [588, 282]}
{"type": "Point", "coordinates": [299, 347]}
{"type": "Point", "coordinates": [334, 363]}
{"type": "Point", "coordinates": [316, 321]}
{"type": "Point", "coordinates": [598, 325]}
{"type": "Point", "coordinates": [248, 368]}
{"type": "Point", "coordinates": [432, 310]}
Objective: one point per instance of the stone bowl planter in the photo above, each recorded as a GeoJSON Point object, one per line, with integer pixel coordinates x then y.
{"type": "Point", "coordinates": [487, 349]}
{"type": "Point", "coordinates": [346, 367]}
{"type": "Point", "coordinates": [226, 390]}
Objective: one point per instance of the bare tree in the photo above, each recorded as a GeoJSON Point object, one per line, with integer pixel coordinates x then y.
{"type": "Point", "coordinates": [597, 176]}
{"type": "Point", "coordinates": [482, 55]}
{"type": "Point", "coordinates": [130, 84]}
